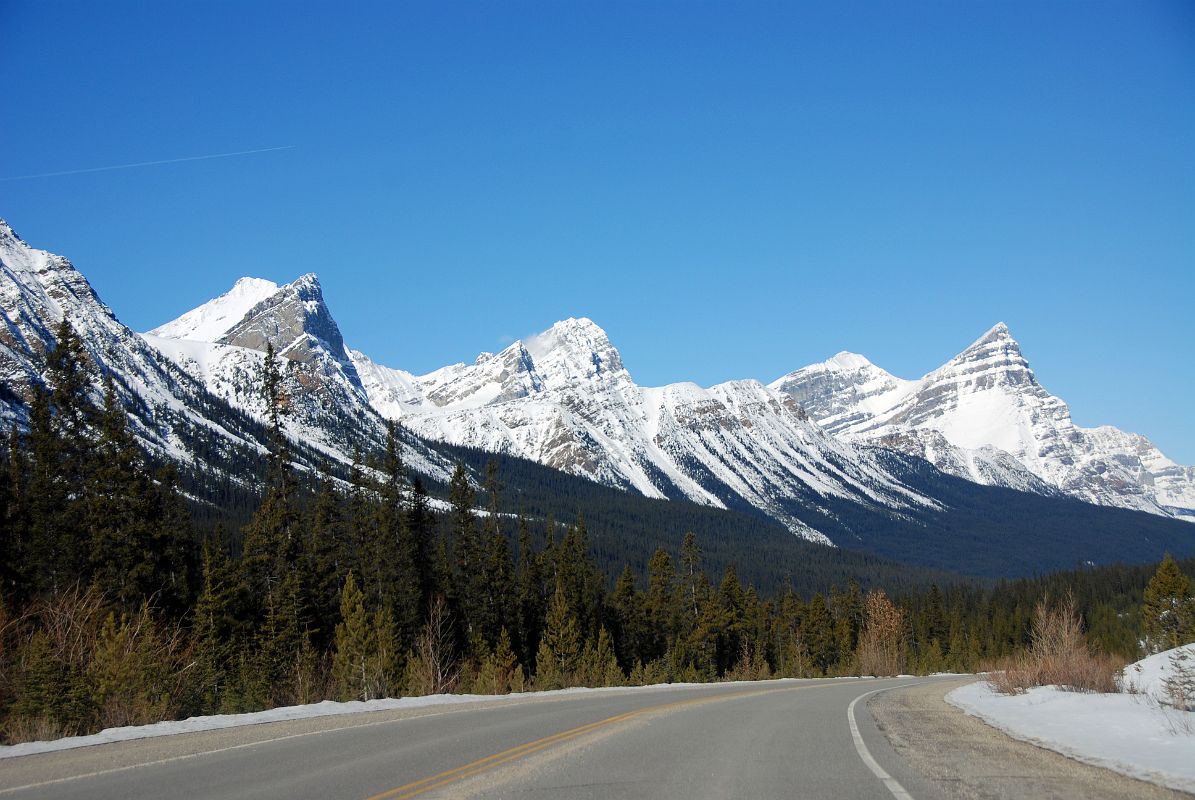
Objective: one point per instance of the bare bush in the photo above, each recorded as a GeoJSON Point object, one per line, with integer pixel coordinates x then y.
{"type": "Point", "coordinates": [1058, 656]}
{"type": "Point", "coordinates": [881, 644]}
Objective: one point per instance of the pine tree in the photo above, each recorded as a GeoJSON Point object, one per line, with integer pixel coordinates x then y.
{"type": "Point", "coordinates": [663, 609]}
{"type": "Point", "coordinates": [690, 558]}
{"type": "Point", "coordinates": [323, 553]}
{"type": "Point", "coordinates": [530, 600]}
{"type": "Point", "coordinates": [560, 647]}
{"type": "Point", "coordinates": [1168, 609]}
{"type": "Point", "coordinates": [14, 522]}
{"type": "Point", "coordinates": [219, 630]}
{"type": "Point", "coordinates": [817, 632]}
{"type": "Point", "coordinates": [500, 672]}
{"type": "Point", "coordinates": [406, 596]}
{"type": "Point", "coordinates": [421, 542]}
{"type": "Point", "coordinates": [61, 421]}
{"type": "Point", "coordinates": [627, 603]}
{"type": "Point", "coordinates": [467, 551]}
{"type": "Point", "coordinates": [603, 669]}
{"type": "Point", "coordinates": [140, 543]}
{"type": "Point", "coordinates": [497, 584]}
{"type": "Point", "coordinates": [274, 538]}
{"type": "Point", "coordinates": [356, 646]}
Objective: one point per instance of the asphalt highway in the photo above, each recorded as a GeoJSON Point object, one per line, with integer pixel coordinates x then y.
{"type": "Point", "coordinates": [768, 739]}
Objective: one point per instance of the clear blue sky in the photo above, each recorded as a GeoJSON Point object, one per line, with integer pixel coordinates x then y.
{"type": "Point", "coordinates": [730, 189]}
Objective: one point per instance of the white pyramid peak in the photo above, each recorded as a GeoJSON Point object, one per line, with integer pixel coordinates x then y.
{"type": "Point", "coordinates": [213, 319]}
{"type": "Point", "coordinates": [998, 335]}
{"type": "Point", "coordinates": [994, 353]}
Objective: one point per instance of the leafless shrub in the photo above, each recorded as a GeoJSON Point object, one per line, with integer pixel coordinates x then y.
{"type": "Point", "coordinates": [1058, 656]}
{"type": "Point", "coordinates": [431, 669]}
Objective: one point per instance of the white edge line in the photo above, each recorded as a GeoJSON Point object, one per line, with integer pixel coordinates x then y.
{"type": "Point", "coordinates": [893, 785]}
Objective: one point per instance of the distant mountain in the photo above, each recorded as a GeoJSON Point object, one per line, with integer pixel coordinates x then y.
{"type": "Point", "coordinates": [865, 478]}
{"type": "Point", "coordinates": [563, 398]}
{"type": "Point", "coordinates": [984, 416]}
{"type": "Point", "coordinates": [223, 344]}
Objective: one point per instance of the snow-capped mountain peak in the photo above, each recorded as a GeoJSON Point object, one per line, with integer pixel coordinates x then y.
{"type": "Point", "coordinates": [983, 415]}
{"type": "Point", "coordinates": [846, 360]}
{"type": "Point", "coordinates": [213, 319]}
{"type": "Point", "coordinates": [992, 358]}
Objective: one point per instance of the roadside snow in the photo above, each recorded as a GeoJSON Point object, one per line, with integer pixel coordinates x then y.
{"type": "Point", "coordinates": [1127, 733]}
{"type": "Point", "coordinates": [325, 709]}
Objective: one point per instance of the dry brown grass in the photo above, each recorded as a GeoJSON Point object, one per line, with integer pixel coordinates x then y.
{"type": "Point", "coordinates": [1057, 656]}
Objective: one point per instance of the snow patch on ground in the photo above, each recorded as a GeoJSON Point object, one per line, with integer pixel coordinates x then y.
{"type": "Point", "coordinates": [1148, 676]}
{"type": "Point", "coordinates": [1123, 732]}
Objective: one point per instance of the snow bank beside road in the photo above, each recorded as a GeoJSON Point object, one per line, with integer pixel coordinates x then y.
{"type": "Point", "coordinates": [1123, 732]}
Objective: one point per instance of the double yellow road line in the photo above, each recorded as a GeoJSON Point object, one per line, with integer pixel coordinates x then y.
{"type": "Point", "coordinates": [481, 765]}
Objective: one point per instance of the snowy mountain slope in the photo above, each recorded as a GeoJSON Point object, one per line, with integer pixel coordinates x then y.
{"type": "Point", "coordinates": [171, 413]}
{"type": "Point", "coordinates": [984, 416]}
{"type": "Point", "coordinates": [563, 398]}
{"type": "Point", "coordinates": [223, 345]}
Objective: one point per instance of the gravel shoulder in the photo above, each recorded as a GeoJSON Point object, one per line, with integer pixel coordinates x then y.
{"type": "Point", "coordinates": [964, 757]}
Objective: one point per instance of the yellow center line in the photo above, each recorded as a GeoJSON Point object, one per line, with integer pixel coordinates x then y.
{"type": "Point", "coordinates": [473, 768]}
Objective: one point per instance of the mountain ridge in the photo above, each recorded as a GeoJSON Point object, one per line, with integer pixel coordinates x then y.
{"type": "Point", "coordinates": [983, 415]}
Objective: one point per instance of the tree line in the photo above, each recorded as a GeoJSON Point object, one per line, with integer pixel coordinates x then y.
{"type": "Point", "coordinates": [113, 611]}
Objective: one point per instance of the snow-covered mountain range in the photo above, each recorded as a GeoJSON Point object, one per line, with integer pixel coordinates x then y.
{"type": "Point", "coordinates": [984, 416]}
{"type": "Point", "coordinates": [814, 450]}
{"type": "Point", "coordinates": [564, 399]}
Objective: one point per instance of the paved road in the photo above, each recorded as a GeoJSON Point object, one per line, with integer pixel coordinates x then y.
{"type": "Point", "coordinates": [772, 739]}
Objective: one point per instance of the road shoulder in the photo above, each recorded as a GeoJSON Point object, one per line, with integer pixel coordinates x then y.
{"type": "Point", "coordinates": [963, 757]}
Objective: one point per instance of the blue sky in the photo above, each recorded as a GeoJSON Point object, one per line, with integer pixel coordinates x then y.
{"type": "Point", "coordinates": [730, 189]}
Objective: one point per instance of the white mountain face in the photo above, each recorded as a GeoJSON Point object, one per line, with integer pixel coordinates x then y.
{"type": "Point", "coordinates": [984, 416]}
{"type": "Point", "coordinates": [563, 398]}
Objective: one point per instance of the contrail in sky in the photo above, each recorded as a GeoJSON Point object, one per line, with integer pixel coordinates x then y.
{"type": "Point", "coordinates": [146, 163]}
